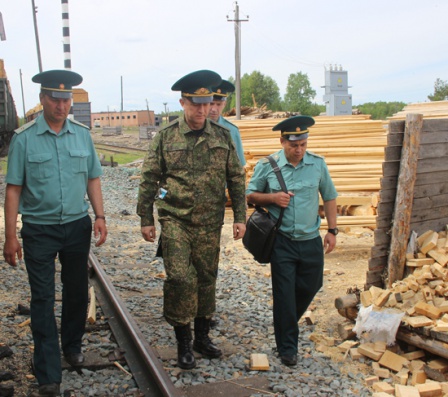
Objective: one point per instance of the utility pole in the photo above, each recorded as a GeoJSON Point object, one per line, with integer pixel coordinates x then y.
{"type": "Point", "coordinates": [23, 98]}
{"type": "Point", "coordinates": [166, 114]}
{"type": "Point", "coordinates": [237, 21]}
{"type": "Point", "coordinates": [39, 59]}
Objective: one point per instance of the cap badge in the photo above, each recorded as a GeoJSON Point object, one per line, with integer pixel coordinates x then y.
{"type": "Point", "coordinates": [202, 91]}
{"type": "Point", "coordinates": [61, 86]}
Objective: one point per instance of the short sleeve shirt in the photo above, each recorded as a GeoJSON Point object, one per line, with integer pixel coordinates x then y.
{"type": "Point", "coordinates": [306, 181]}
{"type": "Point", "coordinates": [236, 137]}
{"type": "Point", "coordinates": [53, 170]}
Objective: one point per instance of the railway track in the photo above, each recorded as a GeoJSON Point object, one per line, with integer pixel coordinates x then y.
{"type": "Point", "coordinates": [148, 373]}
{"type": "Point", "coordinates": [151, 376]}
{"type": "Point", "coordinates": [116, 148]}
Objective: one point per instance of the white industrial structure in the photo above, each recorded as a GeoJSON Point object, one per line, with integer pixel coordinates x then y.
{"type": "Point", "coordinates": [337, 99]}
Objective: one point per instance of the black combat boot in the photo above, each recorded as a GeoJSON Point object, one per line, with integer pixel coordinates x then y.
{"type": "Point", "coordinates": [185, 357]}
{"type": "Point", "coordinates": [202, 343]}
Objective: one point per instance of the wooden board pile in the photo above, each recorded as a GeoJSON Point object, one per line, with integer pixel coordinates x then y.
{"type": "Point", "coordinates": [2, 70]}
{"type": "Point", "coordinates": [436, 109]}
{"type": "Point", "coordinates": [423, 298]}
{"type": "Point", "coordinates": [353, 147]}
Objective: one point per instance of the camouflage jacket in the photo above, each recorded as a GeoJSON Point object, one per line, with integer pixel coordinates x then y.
{"type": "Point", "coordinates": [194, 172]}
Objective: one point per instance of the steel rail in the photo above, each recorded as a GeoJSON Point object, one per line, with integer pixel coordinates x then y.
{"type": "Point", "coordinates": [146, 368]}
{"type": "Point", "coordinates": [128, 148]}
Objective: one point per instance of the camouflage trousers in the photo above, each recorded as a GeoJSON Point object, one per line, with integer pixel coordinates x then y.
{"type": "Point", "coordinates": [190, 256]}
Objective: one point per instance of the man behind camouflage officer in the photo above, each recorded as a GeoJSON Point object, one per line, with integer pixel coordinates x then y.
{"type": "Point", "coordinates": [185, 173]}
{"type": "Point", "coordinates": [220, 94]}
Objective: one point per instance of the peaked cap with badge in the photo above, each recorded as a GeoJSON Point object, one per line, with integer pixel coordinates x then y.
{"type": "Point", "coordinates": [197, 86]}
{"type": "Point", "coordinates": [222, 91]}
{"type": "Point", "coordinates": [294, 128]}
{"type": "Point", "coordinates": [58, 83]}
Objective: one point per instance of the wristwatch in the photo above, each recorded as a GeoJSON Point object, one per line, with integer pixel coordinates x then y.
{"type": "Point", "coordinates": [334, 231]}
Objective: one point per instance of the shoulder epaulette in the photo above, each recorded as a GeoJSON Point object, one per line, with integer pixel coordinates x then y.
{"type": "Point", "coordinates": [227, 121]}
{"type": "Point", "coordinates": [170, 124]}
{"type": "Point", "coordinates": [25, 126]}
{"type": "Point", "coordinates": [79, 123]}
{"type": "Point", "coordinates": [315, 155]}
{"type": "Point", "coordinates": [218, 125]}
{"type": "Point", "coordinates": [265, 160]}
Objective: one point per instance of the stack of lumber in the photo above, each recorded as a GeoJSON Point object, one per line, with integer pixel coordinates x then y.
{"type": "Point", "coordinates": [2, 70]}
{"type": "Point", "coordinates": [436, 109]}
{"type": "Point", "coordinates": [353, 147]}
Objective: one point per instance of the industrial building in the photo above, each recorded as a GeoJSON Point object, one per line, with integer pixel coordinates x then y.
{"type": "Point", "coordinates": [133, 118]}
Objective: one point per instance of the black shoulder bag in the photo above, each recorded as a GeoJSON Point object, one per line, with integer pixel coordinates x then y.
{"type": "Point", "coordinates": [261, 229]}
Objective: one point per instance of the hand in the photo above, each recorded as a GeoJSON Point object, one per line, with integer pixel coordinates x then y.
{"type": "Point", "coordinates": [12, 248]}
{"type": "Point", "coordinates": [329, 242]}
{"type": "Point", "coordinates": [282, 199]}
{"type": "Point", "coordinates": [239, 229]}
{"type": "Point", "coordinates": [149, 233]}
{"type": "Point", "coordinates": [100, 230]}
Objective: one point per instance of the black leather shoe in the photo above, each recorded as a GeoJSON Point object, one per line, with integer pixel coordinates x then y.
{"type": "Point", "coordinates": [74, 359]}
{"type": "Point", "coordinates": [289, 360]}
{"type": "Point", "coordinates": [49, 390]}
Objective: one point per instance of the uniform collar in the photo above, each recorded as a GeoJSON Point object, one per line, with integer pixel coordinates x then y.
{"type": "Point", "coordinates": [184, 127]}
{"type": "Point", "coordinates": [282, 161]}
{"type": "Point", "coordinates": [43, 127]}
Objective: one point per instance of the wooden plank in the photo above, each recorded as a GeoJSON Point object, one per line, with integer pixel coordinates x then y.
{"type": "Point", "coordinates": [433, 346]}
{"type": "Point", "coordinates": [403, 202]}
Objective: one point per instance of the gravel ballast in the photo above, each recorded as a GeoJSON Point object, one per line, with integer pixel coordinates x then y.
{"type": "Point", "coordinates": [244, 316]}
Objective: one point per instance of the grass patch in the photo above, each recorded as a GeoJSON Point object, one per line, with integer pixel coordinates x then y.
{"type": "Point", "coordinates": [120, 158]}
{"type": "Point", "coordinates": [3, 165]}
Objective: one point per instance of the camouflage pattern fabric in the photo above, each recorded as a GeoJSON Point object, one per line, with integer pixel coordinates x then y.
{"type": "Point", "coordinates": [191, 257]}
{"type": "Point", "coordinates": [194, 172]}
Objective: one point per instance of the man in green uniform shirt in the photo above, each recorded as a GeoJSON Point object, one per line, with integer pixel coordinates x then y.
{"type": "Point", "coordinates": [52, 164]}
{"type": "Point", "coordinates": [298, 256]}
{"type": "Point", "coordinates": [220, 95]}
{"type": "Point", "coordinates": [186, 170]}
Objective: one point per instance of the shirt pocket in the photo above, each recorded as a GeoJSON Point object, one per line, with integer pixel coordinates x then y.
{"type": "Point", "coordinates": [274, 184]}
{"type": "Point", "coordinates": [219, 152]}
{"type": "Point", "coordinates": [40, 165]}
{"type": "Point", "coordinates": [309, 189]}
{"type": "Point", "coordinates": [175, 156]}
{"type": "Point", "coordinates": [78, 160]}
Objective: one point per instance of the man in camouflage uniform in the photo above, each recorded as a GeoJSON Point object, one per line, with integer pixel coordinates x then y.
{"type": "Point", "coordinates": [185, 172]}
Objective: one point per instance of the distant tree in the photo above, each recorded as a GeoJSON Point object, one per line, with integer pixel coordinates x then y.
{"type": "Point", "coordinates": [263, 89]}
{"type": "Point", "coordinates": [381, 110]}
{"type": "Point", "coordinates": [299, 95]}
{"type": "Point", "coordinates": [440, 91]}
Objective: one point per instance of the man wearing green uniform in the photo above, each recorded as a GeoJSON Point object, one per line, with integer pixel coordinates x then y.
{"type": "Point", "coordinates": [185, 172]}
{"type": "Point", "coordinates": [52, 165]}
{"type": "Point", "coordinates": [298, 256]}
{"type": "Point", "coordinates": [220, 94]}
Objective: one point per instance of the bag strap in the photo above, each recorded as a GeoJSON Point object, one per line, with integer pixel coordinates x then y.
{"type": "Point", "coordinates": [279, 175]}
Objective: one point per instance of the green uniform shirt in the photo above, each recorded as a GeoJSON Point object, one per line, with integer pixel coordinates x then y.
{"type": "Point", "coordinates": [53, 170]}
{"type": "Point", "coordinates": [236, 137]}
{"type": "Point", "coordinates": [194, 171]}
{"type": "Point", "coordinates": [311, 177]}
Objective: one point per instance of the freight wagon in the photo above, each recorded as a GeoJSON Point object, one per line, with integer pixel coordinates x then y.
{"type": "Point", "coordinates": [8, 116]}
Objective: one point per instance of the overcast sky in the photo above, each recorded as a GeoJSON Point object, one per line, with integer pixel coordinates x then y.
{"type": "Point", "coordinates": [393, 50]}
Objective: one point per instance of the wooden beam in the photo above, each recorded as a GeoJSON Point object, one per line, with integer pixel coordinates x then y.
{"type": "Point", "coordinates": [403, 201]}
